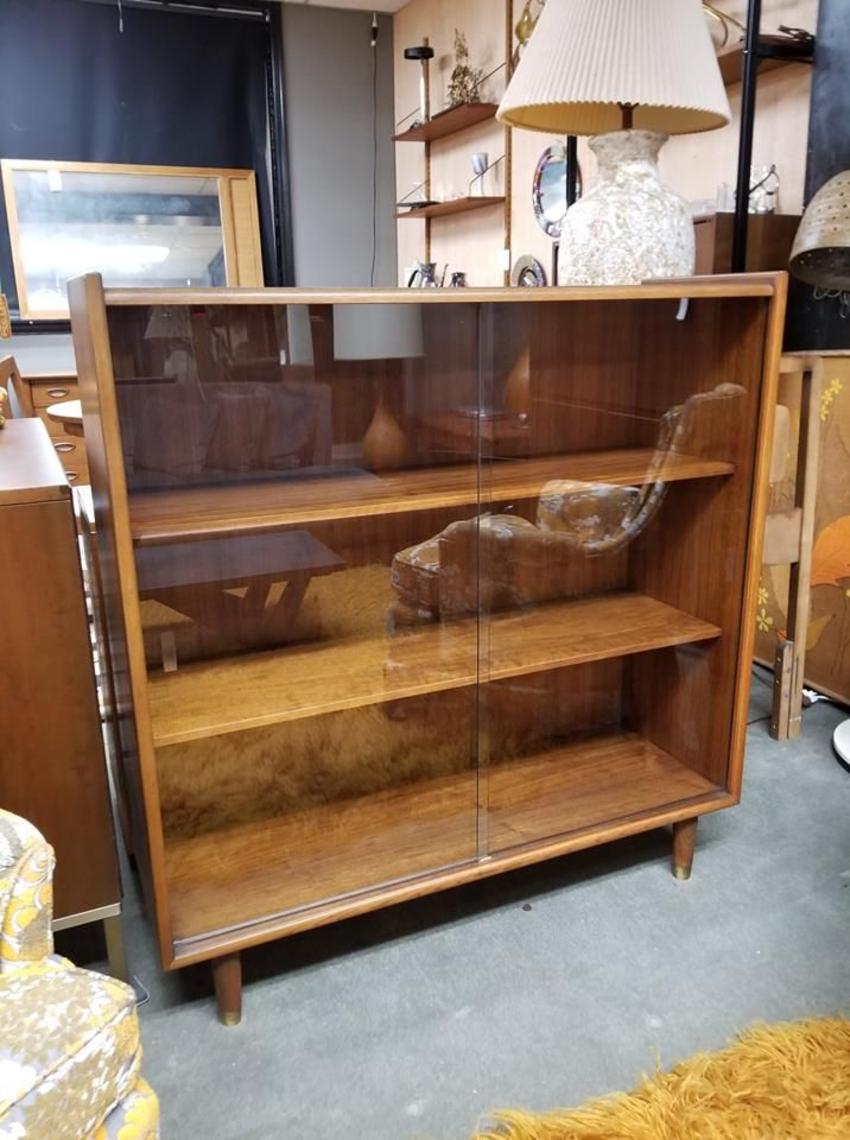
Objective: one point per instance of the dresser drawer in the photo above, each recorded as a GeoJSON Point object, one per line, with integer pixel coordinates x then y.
{"type": "Point", "coordinates": [77, 474]}
{"type": "Point", "coordinates": [55, 392]}
{"type": "Point", "coordinates": [71, 449]}
{"type": "Point", "coordinates": [68, 446]}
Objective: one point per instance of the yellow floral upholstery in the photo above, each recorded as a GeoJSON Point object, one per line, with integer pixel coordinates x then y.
{"type": "Point", "coordinates": [26, 893]}
{"type": "Point", "coordinates": [69, 1039]}
{"type": "Point", "coordinates": [136, 1118]}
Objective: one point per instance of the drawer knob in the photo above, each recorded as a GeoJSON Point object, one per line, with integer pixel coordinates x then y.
{"type": "Point", "coordinates": [72, 476]}
{"type": "Point", "coordinates": [58, 393]}
{"type": "Point", "coordinates": [64, 447]}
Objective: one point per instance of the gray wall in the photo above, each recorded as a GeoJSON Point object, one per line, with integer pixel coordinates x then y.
{"type": "Point", "coordinates": [328, 63]}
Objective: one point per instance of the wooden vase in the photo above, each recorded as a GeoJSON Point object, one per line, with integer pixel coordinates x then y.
{"type": "Point", "coordinates": [384, 444]}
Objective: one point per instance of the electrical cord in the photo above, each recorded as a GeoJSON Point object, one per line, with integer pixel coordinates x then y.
{"type": "Point", "coordinates": [374, 42]}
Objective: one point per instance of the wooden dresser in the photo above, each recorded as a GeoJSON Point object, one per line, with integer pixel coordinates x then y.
{"type": "Point", "coordinates": [36, 392]}
{"type": "Point", "coordinates": [52, 761]}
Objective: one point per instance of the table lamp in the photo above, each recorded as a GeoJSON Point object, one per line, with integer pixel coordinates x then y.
{"type": "Point", "coordinates": [384, 338]}
{"type": "Point", "coordinates": [820, 255]}
{"type": "Point", "coordinates": [629, 73]}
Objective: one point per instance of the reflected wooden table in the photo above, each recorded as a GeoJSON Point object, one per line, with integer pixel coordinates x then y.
{"type": "Point", "coordinates": [69, 414]}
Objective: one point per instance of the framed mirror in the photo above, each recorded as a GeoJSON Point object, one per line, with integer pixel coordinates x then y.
{"type": "Point", "coordinates": [549, 191]}
{"type": "Point", "coordinates": [156, 226]}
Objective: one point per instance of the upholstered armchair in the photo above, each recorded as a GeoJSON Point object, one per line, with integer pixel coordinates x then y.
{"type": "Point", "coordinates": [70, 1055]}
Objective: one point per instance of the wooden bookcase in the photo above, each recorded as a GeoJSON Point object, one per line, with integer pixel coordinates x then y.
{"type": "Point", "coordinates": [415, 592]}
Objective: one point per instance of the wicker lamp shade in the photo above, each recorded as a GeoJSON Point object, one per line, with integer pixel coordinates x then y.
{"type": "Point", "coordinates": [821, 252]}
{"type": "Point", "coordinates": [589, 58]}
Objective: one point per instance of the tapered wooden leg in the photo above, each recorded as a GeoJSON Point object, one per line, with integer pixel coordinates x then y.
{"type": "Point", "coordinates": [227, 979]}
{"type": "Point", "coordinates": [684, 841]}
{"type": "Point", "coordinates": [115, 952]}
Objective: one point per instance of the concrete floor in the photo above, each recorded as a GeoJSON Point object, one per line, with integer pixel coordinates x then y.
{"type": "Point", "coordinates": [540, 988]}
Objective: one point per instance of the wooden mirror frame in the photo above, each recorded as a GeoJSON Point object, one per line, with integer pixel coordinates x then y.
{"type": "Point", "coordinates": [237, 195]}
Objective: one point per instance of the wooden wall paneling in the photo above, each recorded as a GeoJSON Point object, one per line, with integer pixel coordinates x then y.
{"type": "Point", "coordinates": [120, 593]}
{"type": "Point", "coordinates": [693, 165]}
{"type": "Point", "coordinates": [473, 242]}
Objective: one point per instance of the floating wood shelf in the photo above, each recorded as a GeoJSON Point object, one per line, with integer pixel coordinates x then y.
{"type": "Point", "coordinates": [732, 65]}
{"type": "Point", "coordinates": [233, 694]}
{"type": "Point", "coordinates": [197, 513]}
{"type": "Point", "coordinates": [258, 870]}
{"type": "Point", "coordinates": [445, 209]}
{"type": "Point", "coordinates": [449, 122]}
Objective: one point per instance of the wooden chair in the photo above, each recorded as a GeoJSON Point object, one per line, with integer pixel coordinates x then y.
{"type": "Point", "coordinates": [788, 536]}
{"type": "Point", "coordinates": [10, 377]}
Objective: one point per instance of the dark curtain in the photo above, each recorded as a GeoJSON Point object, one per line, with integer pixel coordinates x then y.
{"type": "Point", "coordinates": [174, 88]}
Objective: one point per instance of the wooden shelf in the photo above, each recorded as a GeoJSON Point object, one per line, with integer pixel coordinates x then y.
{"type": "Point", "coordinates": [233, 694]}
{"type": "Point", "coordinates": [449, 122]}
{"type": "Point", "coordinates": [445, 209]}
{"type": "Point", "coordinates": [202, 512]}
{"type": "Point", "coordinates": [732, 65]}
{"type": "Point", "coordinates": [254, 871]}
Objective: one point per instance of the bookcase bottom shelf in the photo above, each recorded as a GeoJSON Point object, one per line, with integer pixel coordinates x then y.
{"type": "Point", "coordinates": [326, 857]}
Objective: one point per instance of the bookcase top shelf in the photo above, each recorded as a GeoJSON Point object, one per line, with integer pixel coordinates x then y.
{"type": "Point", "coordinates": [722, 287]}
{"type": "Point", "coordinates": [201, 512]}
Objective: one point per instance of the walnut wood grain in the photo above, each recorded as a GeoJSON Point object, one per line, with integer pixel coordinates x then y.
{"type": "Point", "coordinates": [234, 694]}
{"type": "Point", "coordinates": [52, 764]}
{"type": "Point", "coordinates": [252, 871]}
{"type": "Point", "coordinates": [450, 207]}
{"type": "Point", "coordinates": [30, 469]}
{"type": "Point", "coordinates": [120, 602]}
{"type": "Point", "coordinates": [198, 512]}
{"type": "Point", "coordinates": [739, 285]}
{"type": "Point", "coordinates": [684, 846]}
{"type": "Point", "coordinates": [604, 366]}
{"type": "Point", "coordinates": [449, 122]}
{"type": "Point", "coordinates": [227, 980]}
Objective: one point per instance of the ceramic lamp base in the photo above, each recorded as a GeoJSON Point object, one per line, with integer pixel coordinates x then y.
{"type": "Point", "coordinates": [629, 227]}
{"type": "Point", "coordinates": [384, 444]}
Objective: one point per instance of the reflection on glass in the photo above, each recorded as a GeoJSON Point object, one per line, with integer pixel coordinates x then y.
{"type": "Point", "coordinates": [424, 582]}
{"type": "Point", "coordinates": [134, 229]}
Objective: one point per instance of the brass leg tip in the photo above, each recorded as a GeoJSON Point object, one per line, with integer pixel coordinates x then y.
{"type": "Point", "coordinates": [230, 1019]}
{"type": "Point", "coordinates": [682, 873]}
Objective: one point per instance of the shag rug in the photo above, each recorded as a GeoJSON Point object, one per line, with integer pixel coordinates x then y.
{"type": "Point", "coordinates": [776, 1082]}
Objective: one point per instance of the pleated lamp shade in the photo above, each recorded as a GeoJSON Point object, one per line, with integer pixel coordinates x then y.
{"type": "Point", "coordinates": [589, 57]}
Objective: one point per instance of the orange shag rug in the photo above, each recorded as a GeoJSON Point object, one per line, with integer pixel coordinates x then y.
{"type": "Point", "coordinates": [776, 1082]}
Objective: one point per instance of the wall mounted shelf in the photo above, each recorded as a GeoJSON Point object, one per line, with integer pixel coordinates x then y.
{"type": "Point", "coordinates": [732, 65]}
{"type": "Point", "coordinates": [449, 122]}
{"type": "Point", "coordinates": [445, 209]}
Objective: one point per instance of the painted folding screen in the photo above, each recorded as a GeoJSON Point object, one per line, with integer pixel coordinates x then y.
{"type": "Point", "coordinates": [828, 650]}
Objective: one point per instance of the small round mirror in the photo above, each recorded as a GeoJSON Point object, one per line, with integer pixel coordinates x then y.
{"type": "Point", "coordinates": [549, 195]}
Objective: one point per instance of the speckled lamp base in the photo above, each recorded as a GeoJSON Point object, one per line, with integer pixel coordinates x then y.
{"type": "Point", "coordinates": [629, 227]}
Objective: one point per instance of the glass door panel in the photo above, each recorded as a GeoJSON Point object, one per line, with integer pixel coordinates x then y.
{"type": "Point", "coordinates": [303, 487]}
{"type": "Point", "coordinates": [612, 459]}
